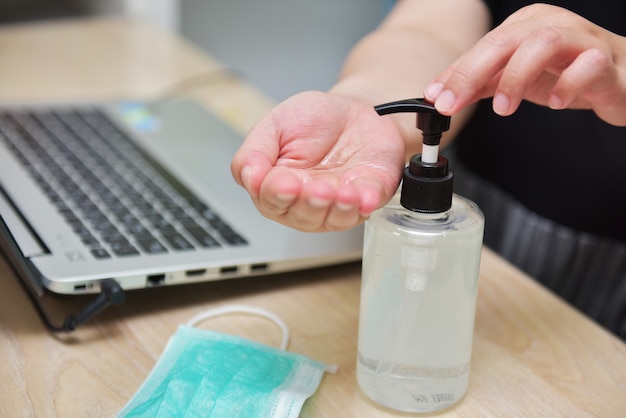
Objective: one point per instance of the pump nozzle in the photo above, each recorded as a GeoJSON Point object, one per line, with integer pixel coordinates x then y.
{"type": "Point", "coordinates": [429, 121]}
{"type": "Point", "coordinates": [427, 182]}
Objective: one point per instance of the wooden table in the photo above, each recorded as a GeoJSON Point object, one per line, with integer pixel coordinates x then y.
{"type": "Point", "coordinates": [533, 354]}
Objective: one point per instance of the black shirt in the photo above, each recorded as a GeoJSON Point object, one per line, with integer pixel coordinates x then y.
{"type": "Point", "coordinates": [568, 166]}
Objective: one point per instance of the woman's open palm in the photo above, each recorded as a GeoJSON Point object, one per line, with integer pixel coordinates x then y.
{"type": "Point", "coordinates": [320, 162]}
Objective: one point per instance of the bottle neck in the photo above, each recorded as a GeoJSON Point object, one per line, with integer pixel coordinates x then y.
{"type": "Point", "coordinates": [428, 217]}
{"type": "Point", "coordinates": [427, 187]}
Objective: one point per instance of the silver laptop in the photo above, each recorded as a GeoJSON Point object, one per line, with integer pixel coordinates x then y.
{"type": "Point", "coordinates": [138, 193]}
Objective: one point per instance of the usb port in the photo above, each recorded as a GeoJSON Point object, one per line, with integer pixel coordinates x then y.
{"type": "Point", "coordinates": [258, 268]}
{"type": "Point", "coordinates": [228, 270]}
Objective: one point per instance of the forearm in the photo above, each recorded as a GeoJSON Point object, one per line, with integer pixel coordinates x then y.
{"type": "Point", "coordinates": [414, 51]}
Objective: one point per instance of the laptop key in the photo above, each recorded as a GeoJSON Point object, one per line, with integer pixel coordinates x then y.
{"type": "Point", "coordinates": [123, 248]}
{"type": "Point", "coordinates": [202, 237]}
{"type": "Point", "coordinates": [139, 232]}
{"type": "Point", "coordinates": [87, 237]}
{"type": "Point", "coordinates": [108, 231]}
{"type": "Point", "coordinates": [235, 239]}
{"type": "Point", "coordinates": [151, 246]}
{"type": "Point", "coordinates": [166, 229]}
{"type": "Point", "coordinates": [115, 238]}
{"type": "Point", "coordinates": [178, 242]}
{"type": "Point", "coordinates": [100, 253]}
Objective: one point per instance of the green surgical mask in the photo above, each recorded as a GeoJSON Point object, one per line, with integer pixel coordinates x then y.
{"type": "Point", "coordinates": [207, 374]}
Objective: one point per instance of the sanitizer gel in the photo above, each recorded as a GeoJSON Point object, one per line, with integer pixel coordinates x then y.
{"type": "Point", "coordinates": [421, 259]}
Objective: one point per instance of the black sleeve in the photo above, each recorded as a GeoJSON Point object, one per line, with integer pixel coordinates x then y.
{"type": "Point", "coordinates": [610, 14]}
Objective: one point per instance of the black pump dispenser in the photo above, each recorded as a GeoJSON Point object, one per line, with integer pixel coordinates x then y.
{"type": "Point", "coordinates": [427, 182]}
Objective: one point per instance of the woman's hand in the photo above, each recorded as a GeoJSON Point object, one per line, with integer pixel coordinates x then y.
{"type": "Point", "coordinates": [320, 162]}
{"type": "Point", "coordinates": [544, 54]}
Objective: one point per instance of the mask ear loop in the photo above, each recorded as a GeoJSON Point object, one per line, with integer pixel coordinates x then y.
{"type": "Point", "coordinates": [244, 309]}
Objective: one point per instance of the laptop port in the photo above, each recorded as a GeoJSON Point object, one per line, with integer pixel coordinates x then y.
{"type": "Point", "coordinates": [228, 270]}
{"type": "Point", "coordinates": [258, 268]}
{"type": "Point", "coordinates": [156, 279]}
{"type": "Point", "coordinates": [195, 273]}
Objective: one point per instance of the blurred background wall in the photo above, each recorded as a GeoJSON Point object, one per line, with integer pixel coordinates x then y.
{"type": "Point", "coordinates": [281, 46]}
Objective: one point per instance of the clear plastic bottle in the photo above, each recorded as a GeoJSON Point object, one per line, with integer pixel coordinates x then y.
{"type": "Point", "coordinates": [418, 296]}
{"type": "Point", "coordinates": [421, 259]}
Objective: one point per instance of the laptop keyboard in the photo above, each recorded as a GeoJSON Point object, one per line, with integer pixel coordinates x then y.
{"type": "Point", "coordinates": [117, 199]}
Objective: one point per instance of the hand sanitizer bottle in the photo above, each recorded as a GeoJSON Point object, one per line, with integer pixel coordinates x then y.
{"type": "Point", "coordinates": [421, 259]}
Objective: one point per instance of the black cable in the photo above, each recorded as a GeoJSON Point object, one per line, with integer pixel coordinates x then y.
{"type": "Point", "coordinates": [111, 294]}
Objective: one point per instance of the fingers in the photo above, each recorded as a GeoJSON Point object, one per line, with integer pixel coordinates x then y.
{"type": "Point", "coordinates": [464, 82]}
{"type": "Point", "coordinates": [279, 190]}
{"type": "Point", "coordinates": [592, 71]}
{"type": "Point", "coordinates": [333, 209]}
{"type": "Point", "coordinates": [315, 205]}
{"type": "Point", "coordinates": [533, 56]}
{"type": "Point", "coordinates": [254, 159]}
{"type": "Point", "coordinates": [353, 204]}
{"type": "Point", "coordinates": [559, 65]}
{"type": "Point", "coordinates": [250, 171]}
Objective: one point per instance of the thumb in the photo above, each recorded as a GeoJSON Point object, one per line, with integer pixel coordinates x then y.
{"type": "Point", "coordinates": [249, 170]}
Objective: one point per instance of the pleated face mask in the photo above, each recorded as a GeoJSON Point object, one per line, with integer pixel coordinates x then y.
{"type": "Point", "coordinates": [203, 373]}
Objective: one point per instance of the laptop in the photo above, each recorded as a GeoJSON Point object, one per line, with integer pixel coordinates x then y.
{"type": "Point", "coordinates": [141, 194]}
